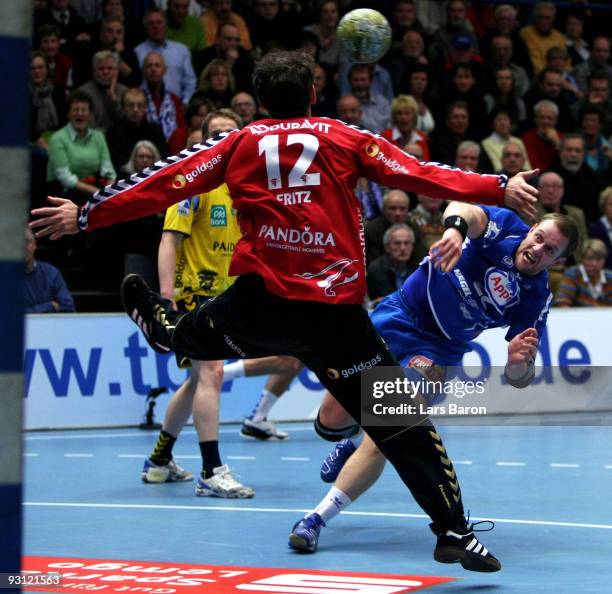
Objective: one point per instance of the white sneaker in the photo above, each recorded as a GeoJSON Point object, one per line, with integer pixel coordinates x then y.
{"type": "Point", "coordinates": [166, 473]}
{"type": "Point", "coordinates": [222, 484]}
{"type": "Point", "coordinates": [263, 430]}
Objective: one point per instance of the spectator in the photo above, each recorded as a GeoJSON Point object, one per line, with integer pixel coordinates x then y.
{"type": "Point", "coordinates": [245, 106]}
{"type": "Point", "coordinates": [79, 160]}
{"type": "Point", "coordinates": [59, 64]}
{"type": "Point", "coordinates": [132, 28]}
{"type": "Point", "coordinates": [602, 228]}
{"type": "Point", "coordinates": [48, 104]}
{"type": "Point", "coordinates": [501, 135]}
{"type": "Point", "coordinates": [131, 127]}
{"type": "Point", "coordinates": [194, 7]}
{"type": "Point", "coordinates": [388, 272]}
{"type": "Point", "coordinates": [221, 13]}
{"type": "Point", "coordinates": [589, 284]}
{"type": "Point", "coordinates": [376, 108]}
{"type": "Point", "coordinates": [463, 52]}
{"type": "Point", "coordinates": [381, 81]}
{"type": "Point", "coordinates": [197, 110]}
{"type": "Point", "coordinates": [45, 290]}
{"type": "Point", "coordinates": [404, 115]}
{"type": "Point", "coordinates": [446, 139]}
{"type": "Point", "coordinates": [183, 27]}
{"type": "Point", "coordinates": [179, 77]}
{"type": "Point", "coordinates": [541, 36]}
{"type": "Point", "coordinates": [577, 47]}
{"type": "Point", "coordinates": [557, 58]}
{"type": "Point", "coordinates": [72, 27]}
{"type": "Point", "coordinates": [582, 185]}
{"type": "Point", "coordinates": [112, 38]}
{"type": "Point", "coordinates": [598, 95]}
{"type": "Point", "coordinates": [227, 48]}
{"type": "Point", "coordinates": [270, 25]}
{"type": "Point", "coordinates": [514, 159]}
{"type": "Point", "coordinates": [418, 81]}
{"type": "Point", "coordinates": [502, 57]}
{"type": "Point", "coordinates": [325, 30]}
{"type": "Point", "coordinates": [217, 83]}
{"type": "Point", "coordinates": [470, 157]}
{"type": "Point", "coordinates": [104, 89]}
{"type": "Point", "coordinates": [143, 155]}
{"type": "Point", "coordinates": [163, 106]}
{"type": "Point", "coordinates": [544, 140]}
{"type": "Point", "coordinates": [350, 111]}
{"type": "Point", "coordinates": [401, 61]}
{"type": "Point", "coordinates": [427, 218]}
{"type": "Point", "coordinates": [597, 148]}
{"type": "Point", "coordinates": [404, 20]}
{"type": "Point", "coordinates": [549, 86]}
{"type": "Point", "coordinates": [504, 97]}
{"type": "Point", "coordinates": [598, 60]}
{"type": "Point", "coordinates": [456, 25]}
{"type": "Point", "coordinates": [326, 97]}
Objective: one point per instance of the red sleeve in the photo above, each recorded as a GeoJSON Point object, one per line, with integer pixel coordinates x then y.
{"type": "Point", "coordinates": [193, 171]}
{"type": "Point", "coordinates": [388, 165]}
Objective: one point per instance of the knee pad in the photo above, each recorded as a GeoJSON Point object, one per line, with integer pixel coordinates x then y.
{"type": "Point", "coordinates": [335, 434]}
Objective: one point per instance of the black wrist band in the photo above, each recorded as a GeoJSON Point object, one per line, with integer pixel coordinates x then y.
{"type": "Point", "coordinates": [457, 222]}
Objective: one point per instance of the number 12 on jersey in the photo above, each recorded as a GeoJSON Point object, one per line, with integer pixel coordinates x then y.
{"type": "Point", "coordinates": [299, 175]}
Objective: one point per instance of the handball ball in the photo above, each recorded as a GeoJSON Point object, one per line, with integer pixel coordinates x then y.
{"type": "Point", "coordinates": [364, 35]}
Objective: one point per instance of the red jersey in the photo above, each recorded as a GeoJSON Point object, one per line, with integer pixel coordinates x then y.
{"type": "Point", "coordinates": [291, 182]}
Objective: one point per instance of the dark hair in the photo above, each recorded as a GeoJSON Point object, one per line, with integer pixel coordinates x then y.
{"type": "Point", "coordinates": [48, 30]}
{"type": "Point", "coordinates": [568, 228]}
{"type": "Point", "coordinates": [546, 71]}
{"type": "Point", "coordinates": [282, 83]}
{"type": "Point", "coordinates": [79, 97]}
{"type": "Point", "coordinates": [220, 113]}
{"type": "Point", "coordinates": [457, 105]}
{"type": "Point", "coordinates": [196, 101]}
{"type": "Point", "coordinates": [591, 109]}
{"type": "Point", "coordinates": [599, 74]}
{"type": "Point", "coordinates": [359, 66]}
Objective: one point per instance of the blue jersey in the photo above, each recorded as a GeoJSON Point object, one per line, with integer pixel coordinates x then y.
{"type": "Point", "coordinates": [484, 290]}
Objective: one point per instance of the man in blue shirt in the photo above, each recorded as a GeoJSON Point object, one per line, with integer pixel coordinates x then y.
{"type": "Point", "coordinates": [488, 270]}
{"type": "Point", "coordinates": [45, 290]}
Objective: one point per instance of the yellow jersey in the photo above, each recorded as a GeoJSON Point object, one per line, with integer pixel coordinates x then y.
{"type": "Point", "coordinates": [211, 232]}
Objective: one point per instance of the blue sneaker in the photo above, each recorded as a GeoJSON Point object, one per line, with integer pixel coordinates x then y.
{"type": "Point", "coordinates": [335, 460]}
{"type": "Point", "coordinates": [305, 534]}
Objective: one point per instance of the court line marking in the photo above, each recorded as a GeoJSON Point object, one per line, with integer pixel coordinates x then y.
{"type": "Point", "coordinates": [560, 465]}
{"type": "Point", "coordinates": [608, 466]}
{"type": "Point", "coordinates": [300, 511]}
{"type": "Point", "coordinates": [31, 455]}
{"type": "Point", "coordinates": [78, 455]}
{"type": "Point", "coordinates": [240, 457]}
{"type": "Point", "coordinates": [510, 463]}
{"type": "Point", "coordinates": [295, 459]}
{"type": "Point", "coordinates": [467, 462]}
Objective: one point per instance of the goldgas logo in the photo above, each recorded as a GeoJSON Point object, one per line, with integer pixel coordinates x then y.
{"type": "Point", "coordinates": [179, 182]}
{"type": "Point", "coordinates": [372, 149]}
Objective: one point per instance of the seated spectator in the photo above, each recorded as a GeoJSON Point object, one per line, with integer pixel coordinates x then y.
{"type": "Point", "coordinates": [549, 86]}
{"type": "Point", "coordinates": [582, 185]}
{"type": "Point", "coordinates": [197, 110]}
{"type": "Point", "coordinates": [463, 51]}
{"type": "Point", "coordinates": [132, 29]}
{"type": "Point", "coordinates": [271, 25]}
{"type": "Point", "coordinates": [131, 127]}
{"type": "Point", "coordinates": [325, 105]}
{"type": "Point", "coordinates": [540, 36]}
{"type": "Point", "coordinates": [598, 60]}
{"type": "Point", "coordinates": [79, 160]}
{"type": "Point", "coordinates": [503, 97]}
{"type": "Point", "coordinates": [557, 58]}
{"type": "Point", "coordinates": [514, 159]}
{"type": "Point", "coordinates": [427, 217]}
{"type": "Point", "coordinates": [221, 13]}
{"type": "Point", "coordinates": [163, 106]}
{"type": "Point", "coordinates": [381, 83]}
{"type": "Point", "coordinates": [602, 228]}
{"type": "Point", "coordinates": [598, 95]}
{"type": "Point", "coordinates": [105, 90]}
{"type": "Point", "coordinates": [418, 82]}
{"type": "Point", "coordinates": [577, 47]}
{"type": "Point", "coordinates": [325, 30]}
{"type": "Point", "coordinates": [375, 107]}
{"type": "Point", "coordinates": [501, 135]}
{"type": "Point", "coordinates": [143, 155]}
{"type": "Point", "coordinates": [217, 83]}
{"type": "Point", "coordinates": [246, 107]}
{"type": "Point", "coordinates": [597, 148]}
{"type": "Point", "coordinates": [72, 27]}
{"type": "Point", "coordinates": [179, 77]}
{"type": "Point", "coordinates": [589, 284]}
{"type": "Point", "coordinates": [404, 20]}
{"type": "Point", "coordinates": [502, 52]}
{"type": "Point", "coordinates": [48, 104]}
{"type": "Point", "coordinates": [349, 110]}
{"type": "Point", "coordinates": [470, 157]}
{"type": "Point", "coordinates": [446, 139]}
{"type": "Point", "coordinates": [388, 272]}
{"type": "Point", "coordinates": [456, 25]}
{"type": "Point", "coordinates": [45, 290]}
{"type": "Point", "coordinates": [58, 63]}
{"type": "Point", "coordinates": [227, 48]}
{"type": "Point", "coordinates": [401, 61]}
{"type": "Point", "coordinates": [183, 27]}
{"type": "Point", "coordinates": [543, 141]}
{"type": "Point", "coordinates": [404, 115]}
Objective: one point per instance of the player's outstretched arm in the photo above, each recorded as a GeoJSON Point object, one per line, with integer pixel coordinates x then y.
{"type": "Point", "coordinates": [521, 196]}
{"type": "Point", "coordinates": [57, 220]}
{"type": "Point", "coordinates": [522, 350]}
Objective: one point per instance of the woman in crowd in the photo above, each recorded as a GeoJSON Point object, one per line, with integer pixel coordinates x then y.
{"type": "Point", "coordinates": [217, 83]}
{"type": "Point", "coordinates": [199, 107]}
{"type": "Point", "coordinates": [48, 111]}
{"type": "Point", "coordinates": [504, 97]}
{"type": "Point", "coordinates": [602, 229]}
{"type": "Point", "coordinates": [404, 117]}
{"type": "Point", "coordinates": [502, 134]}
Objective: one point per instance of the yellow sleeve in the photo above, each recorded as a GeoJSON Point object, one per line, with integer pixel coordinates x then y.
{"type": "Point", "coordinates": [179, 217]}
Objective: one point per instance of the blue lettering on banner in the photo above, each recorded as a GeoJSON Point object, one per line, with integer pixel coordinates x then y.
{"type": "Point", "coordinates": [565, 362]}
{"type": "Point", "coordinates": [28, 366]}
{"type": "Point", "coordinates": [134, 352]}
{"type": "Point", "coordinates": [71, 364]}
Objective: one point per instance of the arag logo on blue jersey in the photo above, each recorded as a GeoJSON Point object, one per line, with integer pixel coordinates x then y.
{"type": "Point", "coordinates": [502, 287]}
{"type": "Point", "coordinates": [218, 216]}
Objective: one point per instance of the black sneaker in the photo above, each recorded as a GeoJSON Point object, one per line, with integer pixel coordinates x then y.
{"type": "Point", "coordinates": [465, 549]}
{"type": "Point", "coordinates": [148, 311]}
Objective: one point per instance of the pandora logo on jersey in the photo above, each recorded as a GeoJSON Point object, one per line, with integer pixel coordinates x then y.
{"type": "Point", "coordinates": [202, 167]}
{"type": "Point", "coordinates": [297, 236]}
{"type": "Point", "coordinates": [391, 163]}
{"type": "Point", "coordinates": [502, 287]}
{"type": "Point", "coordinates": [361, 366]}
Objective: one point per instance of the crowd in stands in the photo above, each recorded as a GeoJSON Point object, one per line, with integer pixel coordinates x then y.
{"type": "Point", "coordinates": [488, 87]}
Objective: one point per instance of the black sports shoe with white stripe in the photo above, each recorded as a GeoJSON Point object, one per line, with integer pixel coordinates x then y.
{"type": "Point", "coordinates": [465, 549]}
{"type": "Point", "coordinates": [148, 311]}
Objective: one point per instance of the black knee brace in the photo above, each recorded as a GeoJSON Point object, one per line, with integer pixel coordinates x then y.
{"type": "Point", "coordinates": [335, 434]}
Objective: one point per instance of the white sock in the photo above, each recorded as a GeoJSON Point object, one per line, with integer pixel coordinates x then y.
{"type": "Point", "coordinates": [264, 405]}
{"type": "Point", "coordinates": [233, 371]}
{"type": "Point", "coordinates": [332, 504]}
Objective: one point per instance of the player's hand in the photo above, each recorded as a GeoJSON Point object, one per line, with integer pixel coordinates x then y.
{"type": "Point", "coordinates": [57, 220]}
{"type": "Point", "coordinates": [520, 195]}
{"type": "Point", "coordinates": [445, 253]}
{"type": "Point", "coordinates": [523, 347]}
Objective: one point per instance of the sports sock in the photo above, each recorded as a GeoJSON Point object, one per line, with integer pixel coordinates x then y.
{"type": "Point", "coordinates": [332, 504]}
{"type": "Point", "coordinates": [264, 405]}
{"type": "Point", "coordinates": [162, 452]}
{"type": "Point", "coordinates": [210, 457]}
{"type": "Point", "coordinates": [233, 371]}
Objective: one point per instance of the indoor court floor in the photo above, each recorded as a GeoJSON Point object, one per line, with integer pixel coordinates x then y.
{"type": "Point", "coordinates": [547, 489]}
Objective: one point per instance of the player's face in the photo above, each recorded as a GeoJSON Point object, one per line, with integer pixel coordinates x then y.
{"type": "Point", "coordinates": [541, 248]}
